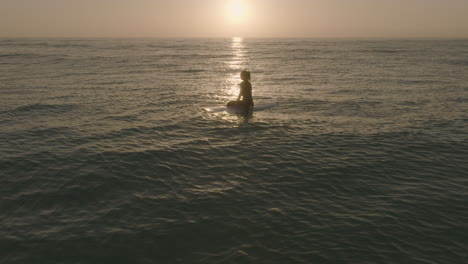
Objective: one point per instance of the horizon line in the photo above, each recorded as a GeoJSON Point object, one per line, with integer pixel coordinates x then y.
{"type": "Point", "coordinates": [227, 37]}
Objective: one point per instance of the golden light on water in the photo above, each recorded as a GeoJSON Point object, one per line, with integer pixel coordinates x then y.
{"type": "Point", "coordinates": [238, 62]}
{"type": "Point", "coordinates": [239, 54]}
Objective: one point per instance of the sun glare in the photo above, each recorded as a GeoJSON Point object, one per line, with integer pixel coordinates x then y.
{"type": "Point", "coordinates": [236, 11]}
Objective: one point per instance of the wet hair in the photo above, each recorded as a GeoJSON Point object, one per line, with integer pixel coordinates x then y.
{"type": "Point", "coordinates": [245, 75]}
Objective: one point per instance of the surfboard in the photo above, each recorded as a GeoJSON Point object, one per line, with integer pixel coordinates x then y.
{"type": "Point", "coordinates": [237, 109]}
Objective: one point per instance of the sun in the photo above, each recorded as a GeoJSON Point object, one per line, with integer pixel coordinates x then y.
{"type": "Point", "coordinates": [236, 11]}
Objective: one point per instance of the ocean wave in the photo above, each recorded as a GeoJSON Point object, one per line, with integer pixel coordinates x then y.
{"type": "Point", "coordinates": [20, 43]}
{"type": "Point", "coordinates": [69, 45]}
{"type": "Point", "coordinates": [20, 55]}
{"type": "Point", "coordinates": [125, 118]}
{"type": "Point", "coordinates": [383, 51]}
{"type": "Point", "coordinates": [191, 70]}
{"type": "Point", "coordinates": [33, 59]}
{"type": "Point", "coordinates": [46, 44]}
{"type": "Point", "coordinates": [458, 62]}
{"type": "Point", "coordinates": [428, 80]}
{"type": "Point", "coordinates": [38, 107]}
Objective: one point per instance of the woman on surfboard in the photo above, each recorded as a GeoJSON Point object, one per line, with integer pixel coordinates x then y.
{"type": "Point", "coordinates": [245, 93]}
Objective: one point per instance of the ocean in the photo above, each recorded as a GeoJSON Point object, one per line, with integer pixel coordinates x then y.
{"type": "Point", "coordinates": [107, 156]}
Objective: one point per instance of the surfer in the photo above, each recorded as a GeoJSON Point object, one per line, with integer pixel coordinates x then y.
{"type": "Point", "coordinates": [245, 93]}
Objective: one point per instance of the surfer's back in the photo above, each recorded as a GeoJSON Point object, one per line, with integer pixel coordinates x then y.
{"type": "Point", "coordinates": [246, 91]}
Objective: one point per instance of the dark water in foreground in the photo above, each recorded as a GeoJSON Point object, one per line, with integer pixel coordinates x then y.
{"type": "Point", "coordinates": [106, 155]}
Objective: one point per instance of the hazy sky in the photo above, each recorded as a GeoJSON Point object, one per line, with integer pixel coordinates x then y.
{"type": "Point", "coordinates": [227, 18]}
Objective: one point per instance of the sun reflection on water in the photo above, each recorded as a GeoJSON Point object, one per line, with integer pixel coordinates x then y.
{"type": "Point", "coordinates": [239, 54]}
{"type": "Point", "coordinates": [239, 61]}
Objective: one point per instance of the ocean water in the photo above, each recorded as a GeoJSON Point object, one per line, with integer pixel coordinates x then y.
{"type": "Point", "coordinates": [107, 156]}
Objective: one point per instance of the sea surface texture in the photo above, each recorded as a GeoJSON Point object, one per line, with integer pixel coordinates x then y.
{"type": "Point", "coordinates": [107, 156]}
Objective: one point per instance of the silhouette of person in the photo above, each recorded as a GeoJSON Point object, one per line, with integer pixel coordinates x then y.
{"type": "Point", "coordinates": [245, 93]}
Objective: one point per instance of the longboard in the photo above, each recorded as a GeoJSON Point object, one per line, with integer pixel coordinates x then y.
{"type": "Point", "coordinates": [237, 109]}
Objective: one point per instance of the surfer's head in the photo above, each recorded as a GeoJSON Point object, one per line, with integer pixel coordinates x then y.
{"type": "Point", "coordinates": [245, 75]}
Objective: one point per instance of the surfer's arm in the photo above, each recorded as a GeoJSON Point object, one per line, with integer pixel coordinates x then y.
{"type": "Point", "coordinates": [241, 92]}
